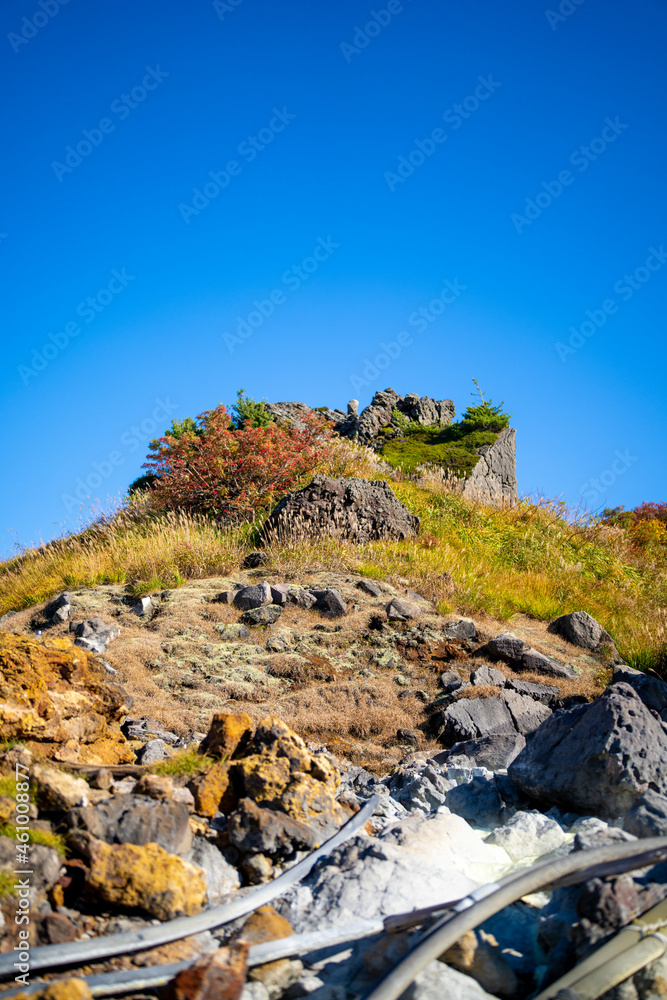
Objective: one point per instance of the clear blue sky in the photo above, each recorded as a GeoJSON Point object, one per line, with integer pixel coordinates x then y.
{"type": "Point", "coordinates": [336, 130]}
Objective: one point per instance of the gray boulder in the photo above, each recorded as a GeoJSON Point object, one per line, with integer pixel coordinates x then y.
{"type": "Point", "coordinates": [301, 598]}
{"type": "Point", "coordinates": [252, 829]}
{"type": "Point", "coordinates": [152, 752]}
{"type": "Point", "coordinates": [478, 801]}
{"type": "Point", "coordinates": [545, 693]}
{"type": "Point", "coordinates": [463, 628]}
{"type": "Point", "coordinates": [495, 753]}
{"type": "Point", "coordinates": [528, 834]}
{"type": "Point", "coordinates": [508, 647]}
{"type": "Point", "coordinates": [580, 629]}
{"type": "Point", "coordinates": [449, 681]}
{"type": "Point", "coordinates": [93, 634]}
{"type": "Point", "coordinates": [357, 509]}
{"type": "Point", "coordinates": [470, 718]}
{"type": "Point", "coordinates": [527, 714]}
{"type": "Point", "coordinates": [651, 690]}
{"type": "Point", "coordinates": [648, 816]}
{"type": "Point", "coordinates": [598, 758]}
{"type": "Point", "coordinates": [221, 877]}
{"type": "Point", "coordinates": [370, 587]}
{"type": "Point", "coordinates": [143, 606]}
{"type": "Point", "coordinates": [399, 610]}
{"type": "Point", "coordinates": [136, 819]}
{"type": "Point", "coordinates": [487, 676]}
{"type": "Point", "coordinates": [59, 609]}
{"type": "Point", "coordinates": [331, 603]}
{"type": "Point", "coordinates": [267, 615]}
{"type": "Point", "coordinates": [232, 632]}
{"type": "Point", "coordinates": [253, 597]}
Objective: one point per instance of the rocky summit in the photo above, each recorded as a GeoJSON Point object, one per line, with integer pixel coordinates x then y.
{"type": "Point", "coordinates": [331, 753]}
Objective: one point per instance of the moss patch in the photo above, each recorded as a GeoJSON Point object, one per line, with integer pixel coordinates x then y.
{"type": "Point", "coordinates": [452, 448]}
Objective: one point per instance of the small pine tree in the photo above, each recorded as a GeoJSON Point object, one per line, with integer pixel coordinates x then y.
{"type": "Point", "coordinates": [484, 416]}
{"type": "Point", "coordinates": [248, 412]}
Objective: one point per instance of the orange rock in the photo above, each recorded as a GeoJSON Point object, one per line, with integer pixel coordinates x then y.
{"type": "Point", "coordinates": [62, 989]}
{"type": "Point", "coordinates": [59, 697]}
{"type": "Point", "coordinates": [227, 734]}
{"type": "Point", "coordinates": [266, 924]}
{"type": "Point", "coordinates": [147, 878]}
{"type": "Point", "coordinates": [220, 976]}
{"type": "Point", "coordinates": [211, 790]}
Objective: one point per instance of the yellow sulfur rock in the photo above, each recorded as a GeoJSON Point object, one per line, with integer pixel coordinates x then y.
{"type": "Point", "coordinates": [146, 878]}
{"type": "Point", "coordinates": [227, 734]}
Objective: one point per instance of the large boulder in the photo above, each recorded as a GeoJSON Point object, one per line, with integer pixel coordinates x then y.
{"type": "Point", "coordinates": [519, 655]}
{"type": "Point", "coordinates": [471, 718]}
{"type": "Point", "coordinates": [581, 629]}
{"type": "Point", "coordinates": [357, 509]}
{"type": "Point", "coordinates": [598, 758]}
{"type": "Point", "coordinates": [61, 698]}
{"type": "Point", "coordinates": [494, 477]}
{"type": "Point", "coordinates": [651, 690]}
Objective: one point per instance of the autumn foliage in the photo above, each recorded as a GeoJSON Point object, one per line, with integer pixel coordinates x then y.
{"type": "Point", "coordinates": [646, 524]}
{"type": "Point", "coordinates": [229, 472]}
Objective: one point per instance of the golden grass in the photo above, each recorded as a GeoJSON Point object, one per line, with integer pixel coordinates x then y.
{"type": "Point", "coordinates": [524, 559]}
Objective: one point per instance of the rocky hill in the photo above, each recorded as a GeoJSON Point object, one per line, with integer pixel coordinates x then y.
{"type": "Point", "coordinates": [385, 746]}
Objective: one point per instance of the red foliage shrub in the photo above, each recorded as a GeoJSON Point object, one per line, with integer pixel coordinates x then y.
{"type": "Point", "coordinates": [646, 524]}
{"type": "Point", "coordinates": [230, 472]}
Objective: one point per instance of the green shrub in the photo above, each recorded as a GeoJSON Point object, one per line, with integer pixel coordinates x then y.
{"type": "Point", "coordinates": [248, 412]}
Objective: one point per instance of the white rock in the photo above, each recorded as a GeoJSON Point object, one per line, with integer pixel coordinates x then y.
{"type": "Point", "coordinates": [528, 835]}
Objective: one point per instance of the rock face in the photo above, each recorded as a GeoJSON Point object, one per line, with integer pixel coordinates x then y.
{"type": "Point", "coordinates": [357, 509]}
{"type": "Point", "coordinates": [366, 426]}
{"type": "Point", "coordinates": [597, 758]}
{"type": "Point", "coordinates": [61, 697]}
{"type": "Point", "coordinates": [494, 477]}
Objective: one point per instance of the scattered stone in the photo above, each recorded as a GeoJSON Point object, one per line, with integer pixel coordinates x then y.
{"type": "Point", "coordinates": [227, 734]}
{"type": "Point", "coordinates": [257, 868]}
{"type": "Point", "coordinates": [399, 610]}
{"type": "Point", "coordinates": [58, 790]}
{"type": "Point", "coordinates": [449, 681]}
{"type": "Point", "coordinates": [225, 597]}
{"type": "Point", "coordinates": [528, 835]}
{"type": "Point", "coordinates": [93, 634]}
{"type": "Point", "coordinates": [413, 596]}
{"type": "Point", "coordinates": [580, 629]}
{"type": "Point", "coordinates": [265, 924]}
{"type": "Point", "coordinates": [544, 693]}
{"type": "Point", "coordinates": [144, 606]}
{"type": "Point", "coordinates": [253, 597]}
{"type": "Point", "coordinates": [152, 752]}
{"type": "Point", "coordinates": [232, 633]}
{"type": "Point", "coordinates": [255, 559]}
{"type": "Point", "coordinates": [301, 598]}
{"type": "Point", "coordinates": [146, 878]}
{"type": "Point", "coordinates": [217, 976]}
{"type": "Point", "coordinates": [267, 615]}
{"type": "Point", "coordinates": [489, 676]}
{"type": "Point", "coordinates": [331, 603]}
{"type": "Point", "coordinates": [521, 656]}
{"type": "Point", "coordinates": [410, 736]}
{"type": "Point", "coordinates": [598, 758]}
{"type": "Point", "coordinates": [155, 786]}
{"type": "Point", "coordinates": [279, 592]}
{"type": "Point", "coordinates": [370, 587]}
{"type": "Point", "coordinates": [358, 509]}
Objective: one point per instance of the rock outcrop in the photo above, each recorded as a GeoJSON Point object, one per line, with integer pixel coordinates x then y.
{"type": "Point", "coordinates": [357, 509]}
{"type": "Point", "coordinates": [494, 477]}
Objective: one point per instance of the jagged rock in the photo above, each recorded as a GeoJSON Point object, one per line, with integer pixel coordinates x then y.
{"type": "Point", "coordinates": [399, 610]}
{"type": "Point", "coordinates": [370, 587]}
{"type": "Point", "coordinates": [477, 801]}
{"type": "Point", "coordinates": [651, 690]}
{"type": "Point", "coordinates": [291, 414]}
{"type": "Point", "coordinates": [280, 773]}
{"type": "Point", "coordinates": [470, 718]}
{"type": "Point", "coordinates": [490, 676]}
{"type": "Point", "coordinates": [366, 426]}
{"type": "Point", "coordinates": [279, 592]}
{"type": "Point", "coordinates": [528, 835]}
{"type": "Point", "coordinates": [581, 629]}
{"type": "Point", "coordinates": [357, 509]}
{"type": "Point", "coordinates": [252, 829]}
{"type": "Point", "coordinates": [72, 988]}
{"type": "Point", "coordinates": [597, 758]}
{"type": "Point", "coordinates": [267, 615]}
{"type": "Point", "coordinates": [331, 603]}
{"type": "Point", "coordinates": [227, 734]}
{"type": "Point", "coordinates": [301, 598]}
{"type": "Point", "coordinates": [544, 693]}
{"type": "Point", "coordinates": [211, 790]}
{"type": "Point", "coordinates": [59, 610]}
{"type": "Point", "coordinates": [527, 714]}
{"type": "Point", "coordinates": [221, 877]}
{"type": "Point", "coordinates": [136, 819]}
{"type": "Point", "coordinates": [93, 634]}
{"type": "Point", "coordinates": [424, 789]}
{"type": "Point", "coordinates": [61, 698]}
{"type": "Point", "coordinates": [449, 681]}
{"type": "Point", "coordinates": [58, 790]}
{"type": "Point", "coordinates": [463, 628]}
{"type": "Point", "coordinates": [145, 878]}
{"type": "Point", "coordinates": [217, 976]}
{"type": "Point", "coordinates": [152, 752]}
{"type": "Point", "coordinates": [492, 752]}
{"type": "Point", "coordinates": [521, 656]}
{"type": "Point", "coordinates": [143, 607]}
{"type": "Point", "coordinates": [494, 477]}
{"type": "Point", "coordinates": [253, 597]}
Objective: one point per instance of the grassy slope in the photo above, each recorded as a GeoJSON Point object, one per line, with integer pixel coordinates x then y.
{"type": "Point", "coordinates": [525, 559]}
{"type": "Point", "coordinates": [449, 448]}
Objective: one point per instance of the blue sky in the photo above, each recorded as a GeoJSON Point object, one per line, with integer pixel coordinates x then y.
{"type": "Point", "coordinates": [313, 175]}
